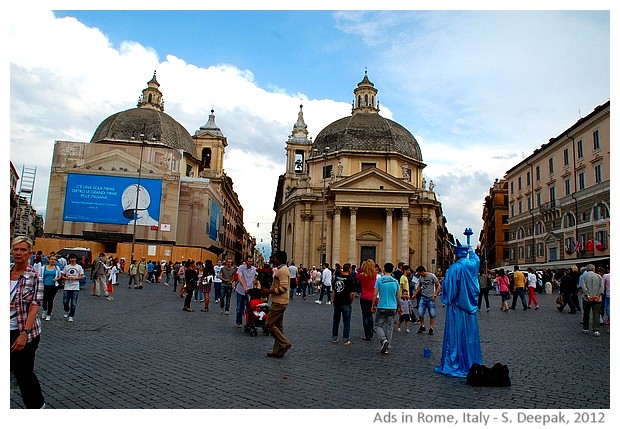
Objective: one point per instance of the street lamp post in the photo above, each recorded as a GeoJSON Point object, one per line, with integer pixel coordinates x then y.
{"type": "Point", "coordinates": [135, 213]}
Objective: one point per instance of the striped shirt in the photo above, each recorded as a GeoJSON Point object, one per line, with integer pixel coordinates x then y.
{"type": "Point", "coordinates": [29, 291]}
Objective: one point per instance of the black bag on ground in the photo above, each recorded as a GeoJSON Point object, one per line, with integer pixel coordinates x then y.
{"type": "Point", "coordinates": [480, 375]}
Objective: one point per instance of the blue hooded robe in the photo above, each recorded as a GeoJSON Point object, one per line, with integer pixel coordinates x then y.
{"type": "Point", "coordinates": [461, 338]}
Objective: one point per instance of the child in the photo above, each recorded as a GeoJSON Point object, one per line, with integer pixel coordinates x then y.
{"type": "Point", "coordinates": [112, 279]}
{"type": "Point", "coordinates": [406, 310]}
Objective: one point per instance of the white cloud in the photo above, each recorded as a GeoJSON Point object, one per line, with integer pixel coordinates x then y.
{"type": "Point", "coordinates": [477, 90]}
{"type": "Point", "coordinates": [63, 87]}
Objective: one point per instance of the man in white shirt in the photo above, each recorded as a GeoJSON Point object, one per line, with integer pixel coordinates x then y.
{"type": "Point", "coordinates": [326, 285]}
{"type": "Point", "coordinates": [292, 269]}
{"type": "Point", "coordinates": [72, 274]}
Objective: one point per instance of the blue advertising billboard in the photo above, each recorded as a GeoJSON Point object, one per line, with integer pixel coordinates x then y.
{"type": "Point", "coordinates": [214, 221]}
{"type": "Point", "coordinates": [111, 199]}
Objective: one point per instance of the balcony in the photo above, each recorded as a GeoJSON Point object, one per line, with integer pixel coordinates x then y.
{"type": "Point", "coordinates": [546, 207]}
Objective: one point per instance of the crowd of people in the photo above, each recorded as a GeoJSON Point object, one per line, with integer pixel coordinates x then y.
{"type": "Point", "coordinates": [390, 297]}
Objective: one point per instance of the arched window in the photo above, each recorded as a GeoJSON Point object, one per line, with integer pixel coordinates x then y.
{"type": "Point", "coordinates": [366, 99]}
{"type": "Point", "coordinates": [520, 233]}
{"type": "Point", "coordinates": [569, 220]}
{"type": "Point", "coordinates": [150, 98]}
{"type": "Point", "coordinates": [600, 212]}
{"type": "Point", "coordinates": [359, 101]}
{"type": "Point", "coordinates": [206, 157]}
{"type": "Point", "coordinates": [539, 228]}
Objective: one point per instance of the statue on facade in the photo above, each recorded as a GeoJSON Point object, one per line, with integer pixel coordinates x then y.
{"type": "Point", "coordinates": [340, 168]}
{"type": "Point", "coordinates": [423, 183]}
{"type": "Point", "coordinates": [431, 186]}
{"type": "Point", "coordinates": [406, 172]}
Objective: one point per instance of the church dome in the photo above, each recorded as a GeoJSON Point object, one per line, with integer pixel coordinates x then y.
{"type": "Point", "coordinates": [127, 126]}
{"type": "Point", "coordinates": [147, 119]}
{"type": "Point", "coordinates": [366, 130]}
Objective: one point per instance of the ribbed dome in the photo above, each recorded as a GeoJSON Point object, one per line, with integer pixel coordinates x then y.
{"type": "Point", "coordinates": [127, 126]}
{"type": "Point", "coordinates": [368, 132]}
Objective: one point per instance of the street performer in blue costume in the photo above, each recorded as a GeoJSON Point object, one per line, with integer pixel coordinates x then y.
{"type": "Point", "coordinates": [459, 292]}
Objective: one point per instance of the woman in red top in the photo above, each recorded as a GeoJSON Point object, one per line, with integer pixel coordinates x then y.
{"type": "Point", "coordinates": [504, 290]}
{"type": "Point", "coordinates": [367, 278]}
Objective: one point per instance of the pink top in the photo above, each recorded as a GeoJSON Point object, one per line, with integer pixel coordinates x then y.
{"type": "Point", "coordinates": [503, 283]}
{"type": "Point", "coordinates": [368, 285]}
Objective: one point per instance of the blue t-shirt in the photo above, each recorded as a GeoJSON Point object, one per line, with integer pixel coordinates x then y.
{"type": "Point", "coordinates": [388, 287]}
{"type": "Point", "coordinates": [49, 276]}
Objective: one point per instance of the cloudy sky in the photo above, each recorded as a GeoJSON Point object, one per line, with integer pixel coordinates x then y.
{"type": "Point", "coordinates": [478, 89]}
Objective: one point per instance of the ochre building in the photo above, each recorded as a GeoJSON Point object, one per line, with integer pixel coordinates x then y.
{"type": "Point", "coordinates": [358, 192]}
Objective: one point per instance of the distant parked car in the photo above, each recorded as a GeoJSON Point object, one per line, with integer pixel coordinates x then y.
{"type": "Point", "coordinates": [79, 252]}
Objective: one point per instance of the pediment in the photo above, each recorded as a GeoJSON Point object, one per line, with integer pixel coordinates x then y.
{"type": "Point", "coordinates": [372, 179]}
{"type": "Point", "coordinates": [551, 238]}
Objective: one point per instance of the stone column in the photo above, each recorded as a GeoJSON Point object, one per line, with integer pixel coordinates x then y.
{"type": "Point", "coordinates": [352, 235]}
{"type": "Point", "coordinates": [425, 259]}
{"type": "Point", "coordinates": [404, 236]}
{"type": "Point", "coordinates": [306, 218]}
{"type": "Point", "coordinates": [328, 237]}
{"type": "Point", "coordinates": [388, 236]}
{"type": "Point", "coordinates": [336, 234]}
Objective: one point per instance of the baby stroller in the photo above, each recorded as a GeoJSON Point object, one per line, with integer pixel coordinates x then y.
{"type": "Point", "coordinates": [256, 312]}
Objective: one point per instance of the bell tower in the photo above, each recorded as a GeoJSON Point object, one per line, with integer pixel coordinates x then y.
{"type": "Point", "coordinates": [210, 147]}
{"type": "Point", "coordinates": [298, 147]}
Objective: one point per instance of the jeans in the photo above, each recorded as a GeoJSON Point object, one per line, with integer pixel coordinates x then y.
{"type": "Point", "coordinates": [72, 297]}
{"type": "Point", "coordinates": [384, 318]}
{"type": "Point", "coordinates": [484, 292]}
{"type": "Point", "coordinates": [518, 293]}
{"type": "Point", "coordinates": [225, 298]}
{"type": "Point", "coordinates": [188, 300]}
{"type": "Point", "coordinates": [345, 312]}
{"type": "Point", "coordinates": [218, 290]}
{"type": "Point", "coordinates": [22, 366]}
{"type": "Point", "coordinates": [241, 303]}
{"type": "Point", "coordinates": [326, 289]}
{"type": "Point", "coordinates": [596, 314]}
{"type": "Point", "coordinates": [49, 293]}
{"type": "Point", "coordinates": [198, 295]}
{"type": "Point", "coordinates": [367, 320]}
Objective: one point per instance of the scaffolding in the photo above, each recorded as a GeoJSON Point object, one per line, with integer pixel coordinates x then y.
{"type": "Point", "coordinates": [22, 224]}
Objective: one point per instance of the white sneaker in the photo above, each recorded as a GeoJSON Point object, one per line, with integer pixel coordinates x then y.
{"type": "Point", "coordinates": [44, 315]}
{"type": "Point", "coordinates": [70, 319]}
{"type": "Point", "coordinates": [48, 317]}
{"type": "Point", "coordinates": [597, 334]}
{"type": "Point", "coordinates": [66, 315]}
{"type": "Point", "coordinates": [329, 303]}
{"type": "Point", "coordinates": [408, 331]}
{"type": "Point", "coordinates": [397, 329]}
{"type": "Point", "coordinates": [317, 302]}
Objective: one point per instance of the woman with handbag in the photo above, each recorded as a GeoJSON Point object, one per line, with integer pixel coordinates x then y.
{"type": "Point", "coordinates": [191, 283]}
{"type": "Point", "coordinates": [504, 290]}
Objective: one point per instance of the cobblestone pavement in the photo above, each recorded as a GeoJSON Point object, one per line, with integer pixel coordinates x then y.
{"type": "Point", "coordinates": [142, 351]}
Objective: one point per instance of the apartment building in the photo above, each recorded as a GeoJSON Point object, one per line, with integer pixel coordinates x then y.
{"type": "Point", "coordinates": [559, 198]}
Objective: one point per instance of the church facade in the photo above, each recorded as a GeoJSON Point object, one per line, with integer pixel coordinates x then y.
{"type": "Point", "coordinates": [143, 178]}
{"type": "Point", "coordinates": [358, 192]}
